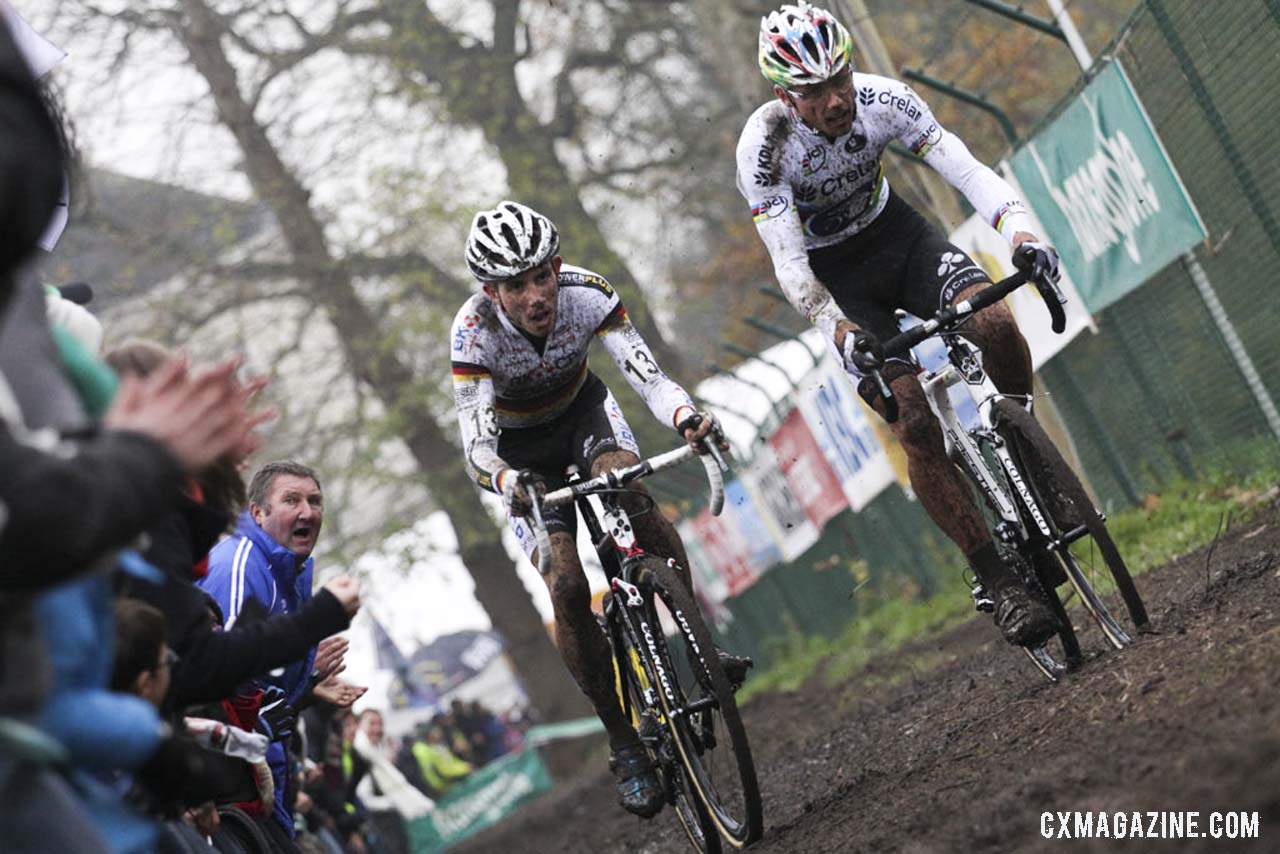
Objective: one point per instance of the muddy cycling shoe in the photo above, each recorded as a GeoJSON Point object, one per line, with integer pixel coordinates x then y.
{"type": "Point", "coordinates": [1022, 618]}
{"type": "Point", "coordinates": [735, 667]}
{"type": "Point", "coordinates": [639, 791]}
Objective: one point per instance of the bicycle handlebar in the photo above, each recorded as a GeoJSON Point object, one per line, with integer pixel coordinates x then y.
{"type": "Point", "coordinates": [951, 316]}
{"type": "Point", "coordinates": [712, 462]}
{"type": "Point", "coordinates": [948, 317]}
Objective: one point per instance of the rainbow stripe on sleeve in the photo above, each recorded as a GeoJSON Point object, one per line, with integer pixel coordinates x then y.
{"type": "Point", "coordinates": [1007, 210]}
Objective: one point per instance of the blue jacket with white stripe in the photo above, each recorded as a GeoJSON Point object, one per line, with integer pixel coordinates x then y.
{"type": "Point", "coordinates": [252, 565]}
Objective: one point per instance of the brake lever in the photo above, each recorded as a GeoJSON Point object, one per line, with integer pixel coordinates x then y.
{"type": "Point", "coordinates": [710, 443]}
{"type": "Point", "coordinates": [540, 534]}
{"type": "Point", "coordinates": [1054, 300]}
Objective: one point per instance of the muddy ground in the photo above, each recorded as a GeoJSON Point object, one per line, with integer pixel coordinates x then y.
{"type": "Point", "coordinates": [966, 755]}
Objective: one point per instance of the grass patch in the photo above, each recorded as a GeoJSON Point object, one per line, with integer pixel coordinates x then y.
{"type": "Point", "coordinates": [882, 628]}
{"type": "Point", "coordinates": [1182, 517]}
{"type": "Point", "coordinates": [1187, 514]}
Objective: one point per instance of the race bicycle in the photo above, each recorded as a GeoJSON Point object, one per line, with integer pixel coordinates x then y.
{"type": "Point", "coordinates": [669, 677]}
{"type": "Point", "coordinates": [1037, 506]}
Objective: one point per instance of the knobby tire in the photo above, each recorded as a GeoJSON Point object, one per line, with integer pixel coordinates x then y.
{"type": "Point", "coordinates": [709, 676]}
{"type": "Point", "coordinates": [1068, 506]}
{"type": "Point", "coordinates": [635, 666]}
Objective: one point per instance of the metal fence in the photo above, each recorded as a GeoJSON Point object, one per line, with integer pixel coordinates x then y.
{"type": "Point", "coordinates": [1156, 394]}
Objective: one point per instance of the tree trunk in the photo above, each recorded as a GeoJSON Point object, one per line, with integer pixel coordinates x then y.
{"type": "Point", "coordinates": [479, 86]}
{"type": "Point", "coordinates": [550, 687]}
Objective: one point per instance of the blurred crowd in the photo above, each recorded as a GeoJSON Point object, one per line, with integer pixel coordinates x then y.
{"type": "Point", "coordinates": [169, 669]}
{"type": "Point", "coordinates": [361, 787]}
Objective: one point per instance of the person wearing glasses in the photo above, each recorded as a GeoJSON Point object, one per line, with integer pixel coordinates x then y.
{"type": "Point", "coordinates": [848, 252]}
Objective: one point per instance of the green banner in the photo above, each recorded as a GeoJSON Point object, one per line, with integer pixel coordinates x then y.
{"type": "Point", "coordinates": [1100, 181]}
{"type": "Point", "coordinates": [544, 733]}
{"type": "Point", "coordinates": [485, 798]}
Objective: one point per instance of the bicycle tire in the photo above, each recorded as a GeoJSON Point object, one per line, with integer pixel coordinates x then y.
{"type": "Point", "coordinates": [237, 828]}
{"type": "Point", "coordinates": [739, 823]}
{"type": "Point", "coordinates": [1069, 507]}
{"type": "Point", "coordinates": [633, 683]}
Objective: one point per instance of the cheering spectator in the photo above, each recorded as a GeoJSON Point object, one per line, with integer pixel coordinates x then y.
{"type": "Point", "coordinates": [269, 560]}
{"type": "Point", "coordinates": [213, 664]}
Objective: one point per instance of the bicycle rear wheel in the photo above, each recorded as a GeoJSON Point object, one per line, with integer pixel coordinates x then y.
{"type": "Point", "coordinates": [647, 718]}
{"type": "Point", "coordinates": [700, 709]}
{"type": "Point", "coordinates": [1093, 563]}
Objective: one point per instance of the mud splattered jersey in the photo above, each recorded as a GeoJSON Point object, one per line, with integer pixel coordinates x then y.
{"type": "Point", "coordinates": [502, 381]}
{"type": "Point", "coordinates": [807, 191]}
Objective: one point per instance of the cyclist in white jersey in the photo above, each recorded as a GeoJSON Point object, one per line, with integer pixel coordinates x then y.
{"type": "Point", "coordinates": [528, 407]}
{"type": "Point", "coordinates": [848, 252]}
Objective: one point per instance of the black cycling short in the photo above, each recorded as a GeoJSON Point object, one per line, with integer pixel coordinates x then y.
{"type": "Point", "coordinates": [900, 260]}
{"type": "Point", "coordinates": [592, 425]}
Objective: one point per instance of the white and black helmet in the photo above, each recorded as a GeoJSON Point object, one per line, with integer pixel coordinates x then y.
{"type": "Point", "coordinates": [508, 240]}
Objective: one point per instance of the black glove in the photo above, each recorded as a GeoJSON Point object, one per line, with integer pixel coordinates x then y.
{"type": "Point", "coordinates": [714, 437]}
{"type": "Point", "coordinates": [517, 487]}
{"type": "Point", "coordinates": [862, 352]}
{"type": "Point", "coordinates": [1037, 259]}
{"type": "Point", "coordinates": [276, 718]}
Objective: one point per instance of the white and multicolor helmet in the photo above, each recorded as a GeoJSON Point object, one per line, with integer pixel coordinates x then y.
{"type": "Point", "coordinates": [508, 240]}
{"type": "Point", "coordinates": [801, 45]}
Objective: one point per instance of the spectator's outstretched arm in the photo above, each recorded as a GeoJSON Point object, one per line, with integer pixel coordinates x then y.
{"type": "Point", "coordinates": [57, 513]}
{"type": "Point", "coordinates": [213, 665]}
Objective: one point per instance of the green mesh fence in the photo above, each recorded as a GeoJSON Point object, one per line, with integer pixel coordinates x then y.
{"type": "Point", "coordinates": [1156, 393]}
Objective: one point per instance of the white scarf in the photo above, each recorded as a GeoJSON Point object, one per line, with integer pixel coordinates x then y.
{"type": "Point", "coordinates": [397, 793]}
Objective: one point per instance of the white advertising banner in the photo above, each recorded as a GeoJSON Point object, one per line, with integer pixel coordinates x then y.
{"type": "Point", "coordinates": [706, 580]}
{"type": "Point", "coordinates": [990, 251]}
{"type": "Point", "coordinates": [842, 428]}
{"type": "Point", "coordinates": [780, 510]}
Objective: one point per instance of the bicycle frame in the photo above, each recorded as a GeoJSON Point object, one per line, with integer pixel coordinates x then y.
{"type": "Point", "coordinates": [964, 446]}
{"type": "Point", "coordinates": [642, 662]}
{"type": "Point", "coordinates": [964, 367]}
{"type": "Point", "coordinates": [613, 536]}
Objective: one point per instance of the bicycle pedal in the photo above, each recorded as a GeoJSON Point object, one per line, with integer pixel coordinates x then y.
{"type": "Point", "coordinates": [981, 600]}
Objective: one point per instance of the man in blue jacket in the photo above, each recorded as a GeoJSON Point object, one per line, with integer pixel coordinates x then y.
{"type": "Point", "coordinates": [269, 560]}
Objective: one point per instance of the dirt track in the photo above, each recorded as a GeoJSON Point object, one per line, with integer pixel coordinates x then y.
{"type": "Point", "coordinates": [967, 755]}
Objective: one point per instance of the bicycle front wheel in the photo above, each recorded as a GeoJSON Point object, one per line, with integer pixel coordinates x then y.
{"type": "Point", "coordinates": [1093, 563]}
{"type": "Point", "coordinates": [700, 709]}
{"type": "Point", "coordinates": [633, 667]}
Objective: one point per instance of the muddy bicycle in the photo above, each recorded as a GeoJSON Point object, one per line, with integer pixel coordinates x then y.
{"type": "Point", "coordinates": [1036, 503]}
{"type": "Point", "coordinates": [669, 677]}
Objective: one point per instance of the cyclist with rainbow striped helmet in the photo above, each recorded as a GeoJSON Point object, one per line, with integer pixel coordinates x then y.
{"type": "Point", "coordinates": [848, 252]}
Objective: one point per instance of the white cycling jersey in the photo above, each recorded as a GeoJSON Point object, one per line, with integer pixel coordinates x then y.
{"type": "Point", "coordinates": [807, 191]}
{"type": "Point", "coordinates": [503, 380]}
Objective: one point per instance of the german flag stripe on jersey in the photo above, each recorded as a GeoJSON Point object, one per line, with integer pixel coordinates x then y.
{"type": "Point", "coordinates": [465, 371]}
{"type": "Point", "coordinates": [533, 409]}
{"type": "Point", "coordinates": [616, 318]}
